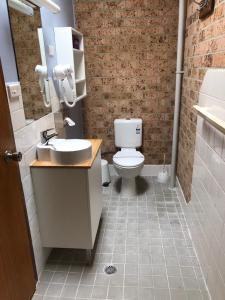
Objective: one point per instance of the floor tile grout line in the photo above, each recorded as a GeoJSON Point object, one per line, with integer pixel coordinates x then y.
{"type": "Point", "coordinates": [78, 285]}
{"type": "Point", "coordinates": [151, 260]}
{"type": "Point", "coordinates": [113, 242]}
{"type": "Point", "coordinates": [196, 254]}
{"type": "Point", "coordinates": [101, 247]}
{"type": "Point", "coordinates": [165, 260]}
{"type": "Point", "coordinates": [45, 294]}
{"type": "Point", "coordinates": [125, 245]}
{"type": "Point", "coordinates": [125, 260]}
{"type": "Point", "coordinates": [65, 281]}
{"type": "Point", "coordinates": [180, 270]}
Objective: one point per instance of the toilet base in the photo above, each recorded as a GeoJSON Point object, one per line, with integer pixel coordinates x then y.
{"type": "Point", "coordinates": [128, 187]}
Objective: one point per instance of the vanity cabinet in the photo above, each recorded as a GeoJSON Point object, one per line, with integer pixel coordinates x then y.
{"type": "Point", "coordinates": [69, 202]}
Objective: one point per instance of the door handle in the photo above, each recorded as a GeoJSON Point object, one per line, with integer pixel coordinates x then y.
{"type": "Point", "coordinates": [15, 156]}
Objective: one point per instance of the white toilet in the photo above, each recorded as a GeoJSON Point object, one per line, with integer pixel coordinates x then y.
{"type": "Point", "coordinates": [128, 162]}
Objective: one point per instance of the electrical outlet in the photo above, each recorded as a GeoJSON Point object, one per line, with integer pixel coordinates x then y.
{"type": "Point", "coordinates": [51, 50]}
{"type": "Point", "coordinates": [14, 90]}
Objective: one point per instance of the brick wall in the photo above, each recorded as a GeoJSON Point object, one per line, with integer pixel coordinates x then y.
{"type": "Point", "coordinates": [130, 64]}
{"type": "Point", "coordinates": [204, 48]}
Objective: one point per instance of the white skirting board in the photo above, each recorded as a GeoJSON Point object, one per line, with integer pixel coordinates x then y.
{"type": "Point", "coordinates": [148, 170]}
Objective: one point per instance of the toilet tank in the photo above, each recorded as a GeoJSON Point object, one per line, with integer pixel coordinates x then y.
{"type": "Point", "coordinates": [128, 133]}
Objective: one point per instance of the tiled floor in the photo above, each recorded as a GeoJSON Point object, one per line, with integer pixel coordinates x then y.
{"type": "Point", "coordinates": [146, 238]}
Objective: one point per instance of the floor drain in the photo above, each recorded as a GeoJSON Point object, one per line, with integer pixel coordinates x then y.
{"type": "Point", "coordinates": [110, 270]}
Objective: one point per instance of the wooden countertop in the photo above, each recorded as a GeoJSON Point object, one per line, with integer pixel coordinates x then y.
{"type": "Point", "coordinates": [96, 144]}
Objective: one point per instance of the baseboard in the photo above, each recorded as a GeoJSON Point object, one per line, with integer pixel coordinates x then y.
{"type": "Point", "coordinates": [148, 170]}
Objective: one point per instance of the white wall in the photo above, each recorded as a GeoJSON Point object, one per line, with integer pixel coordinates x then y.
{"type": "Point", "coordinates": [206, 211]}
{"type": "Point", "coordinates": [26, 138]}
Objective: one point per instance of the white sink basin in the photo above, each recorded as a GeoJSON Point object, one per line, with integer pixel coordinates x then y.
{"type": "Point", "coordinates": [65, 151]}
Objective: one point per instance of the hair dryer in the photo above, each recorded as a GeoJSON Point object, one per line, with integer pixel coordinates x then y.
{"type": "Point", "coordinates": [61, 72]}
{"type": "Point", "coordinates": [43, 76]}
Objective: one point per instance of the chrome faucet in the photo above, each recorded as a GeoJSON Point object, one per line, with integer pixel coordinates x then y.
{"type": "Point", "coordinates": [45, 137]}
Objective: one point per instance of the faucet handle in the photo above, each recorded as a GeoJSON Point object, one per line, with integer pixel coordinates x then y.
{"type": "Point", "coordinates": [47, 130]}
{"type": "Point", "coordinates": [44, 135]}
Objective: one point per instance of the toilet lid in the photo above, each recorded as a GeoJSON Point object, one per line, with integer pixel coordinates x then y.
{"type": "Point", "coordinates": [128, 158]}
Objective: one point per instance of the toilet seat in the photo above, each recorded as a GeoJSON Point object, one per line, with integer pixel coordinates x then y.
{"type": "Point", "coordinates": [128, 158]}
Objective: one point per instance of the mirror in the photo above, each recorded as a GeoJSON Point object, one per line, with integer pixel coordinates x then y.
{"type": "Point", "coordinates": [31, 62]}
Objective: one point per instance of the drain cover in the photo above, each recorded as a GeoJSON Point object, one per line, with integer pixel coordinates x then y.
{"type": "Point", "coordinates": [110, 270]}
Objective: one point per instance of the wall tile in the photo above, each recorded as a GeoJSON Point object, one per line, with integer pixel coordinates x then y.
{"type": "Point", "coordinates": [223, 149]}
{"type": "Point", "coordinates": [27, 187]}
{"type": "Point", "coordinates": [31, 208]}
{"type": "Point", "coordinates": [218, 142]}
{"type": "Point", "coordinates": [18, 119]}
{"type": "Point", "coordinates": [213, 84]}
{"type": "Point", "coordinates": [27, 135]}
{"type": "Point", "coordinates": [208, 190]}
